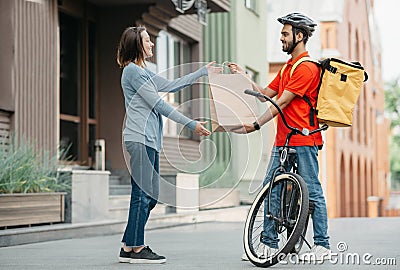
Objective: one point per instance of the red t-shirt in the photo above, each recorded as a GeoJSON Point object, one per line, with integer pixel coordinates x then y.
{"type": "Point", "coordinates": [304, 81]}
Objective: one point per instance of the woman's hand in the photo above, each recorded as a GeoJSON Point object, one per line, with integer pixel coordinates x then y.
{"type": "Point", "coordinates": [201, 130]}
{"type": "Point", "coordinates": [213, 69]}
{"type": "Point", "coordinates": [235, 68]}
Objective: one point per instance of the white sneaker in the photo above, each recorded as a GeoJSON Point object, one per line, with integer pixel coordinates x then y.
{"type": "Point", "coordinates": [267, 252]}
{"type": "Point", "coordinates": [317, 253]}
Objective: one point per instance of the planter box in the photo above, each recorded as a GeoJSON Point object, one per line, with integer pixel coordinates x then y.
{"type": "Point", "coordinates": [31, 208]}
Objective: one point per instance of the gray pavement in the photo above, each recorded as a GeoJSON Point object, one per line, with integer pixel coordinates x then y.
{"type": "Point", "coordinates": [212, 245]}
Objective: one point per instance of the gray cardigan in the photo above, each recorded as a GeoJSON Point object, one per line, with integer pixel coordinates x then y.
{"type": "Point", "coordinates": [144, 106]}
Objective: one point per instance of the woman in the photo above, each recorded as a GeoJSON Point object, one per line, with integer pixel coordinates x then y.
{"type": "Point", "coordinates": [143, 134]}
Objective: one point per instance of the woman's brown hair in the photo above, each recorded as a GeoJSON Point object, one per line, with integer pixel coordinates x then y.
{"type": "Point", "coordinates": [130, 48]}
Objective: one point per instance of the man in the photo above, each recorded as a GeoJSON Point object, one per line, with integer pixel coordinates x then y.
{"type": "Point", "coordinates": [290, 91]}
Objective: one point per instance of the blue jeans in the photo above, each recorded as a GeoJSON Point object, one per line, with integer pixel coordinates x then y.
{"type": "Point", "coordinates": [307, 160]}
{"type": "Point", "coordinates": [144, 164]}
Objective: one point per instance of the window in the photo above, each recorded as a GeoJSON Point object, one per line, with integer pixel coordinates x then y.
{"type": "Point", "coordinates": [327, 33]}
{"type": "Point", "coordinates": [251, 5]}
{"type": "Point", "coordinates": [78, 110]}
{"type": "Point", "coordinates": [357, 47]}
{"type": "Point", "coordinates": [173, 61]}
{"type": "Point", "coordinates": [349, 40]}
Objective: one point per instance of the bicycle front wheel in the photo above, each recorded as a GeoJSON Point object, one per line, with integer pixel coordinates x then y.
{"type": "Point", "coordinates": [278, 213]}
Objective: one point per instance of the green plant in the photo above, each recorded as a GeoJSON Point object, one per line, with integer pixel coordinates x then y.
{"type": "Point", "coordinates": [24, 169]}
{"type": "Point", "coordinates": [392, 104]}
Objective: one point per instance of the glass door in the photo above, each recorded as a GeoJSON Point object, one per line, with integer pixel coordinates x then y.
{"type": "Point", "coordinates": [78, 94]}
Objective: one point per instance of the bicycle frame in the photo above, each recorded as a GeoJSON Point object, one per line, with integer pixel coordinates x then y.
{"type": "Point", "coordinates": [285, 153]}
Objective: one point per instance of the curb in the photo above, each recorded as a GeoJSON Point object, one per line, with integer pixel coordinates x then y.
{"type": "Point", "coordinates": [20, 236]}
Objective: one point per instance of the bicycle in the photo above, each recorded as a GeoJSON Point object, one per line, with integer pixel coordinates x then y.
{"type": "Point", "coordinates": [288, 191]}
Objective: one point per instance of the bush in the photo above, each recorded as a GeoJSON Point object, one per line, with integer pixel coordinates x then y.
{"type": "Point", "coordinates": [24, 169]}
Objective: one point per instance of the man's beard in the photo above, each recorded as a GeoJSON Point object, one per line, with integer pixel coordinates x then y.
{"type": "Point", "coordinates": [287, 48]}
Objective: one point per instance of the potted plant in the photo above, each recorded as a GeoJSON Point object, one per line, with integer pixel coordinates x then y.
{"type": "Point", "coordinates": [31, 188]}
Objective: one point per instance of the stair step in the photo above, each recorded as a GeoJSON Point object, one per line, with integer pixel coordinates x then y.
{"type": "Point", "coordinates": [121, 202]}
{"type": "Point", "coordinates": [117, 201]}
{"type": "Point", "coordinates": [120, 189]}
{"type": "Point", "coordinates": [118, 207]}
{"type": "Point", "coordinates": [119, 180]}
{"type": "Point", "coordinates": [114, 182]}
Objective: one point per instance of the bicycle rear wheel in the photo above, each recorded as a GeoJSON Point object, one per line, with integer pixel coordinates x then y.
{"type": "Point", "coordinates": [290, 216]}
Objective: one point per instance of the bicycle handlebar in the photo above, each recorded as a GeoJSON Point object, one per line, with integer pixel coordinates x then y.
{"type": "Point", "coordinates": [304, 132]}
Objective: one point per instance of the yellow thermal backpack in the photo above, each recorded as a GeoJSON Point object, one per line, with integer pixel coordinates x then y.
{"type": "Point", "coordinates": [338, 91]}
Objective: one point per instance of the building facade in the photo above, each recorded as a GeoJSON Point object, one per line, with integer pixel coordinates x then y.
{"type": "Point", "coordinates": [357, 164]}
{"type": "Point", "coordinates": [240, 36]}
{"type": "Point", "coordinates": [60, 80]}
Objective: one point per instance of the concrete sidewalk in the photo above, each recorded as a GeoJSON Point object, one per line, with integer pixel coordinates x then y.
{"type": "Point", "coordinates": [210, 245]}
{"type": "Point", "coordinates": [26, 235]}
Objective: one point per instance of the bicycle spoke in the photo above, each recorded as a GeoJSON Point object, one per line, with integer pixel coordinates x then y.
{"type": "Point", "coordinates": [276, 213]}
{"type": "Point", "coordinates": [256, 237]}
{"type": "Point", "coordinates": [258, 226]}
{"type": "Point", "coordinates": [294, 202]}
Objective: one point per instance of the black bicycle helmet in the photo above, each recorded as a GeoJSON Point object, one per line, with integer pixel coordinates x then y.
{"type": "Point", "coordinates": [301, 22]}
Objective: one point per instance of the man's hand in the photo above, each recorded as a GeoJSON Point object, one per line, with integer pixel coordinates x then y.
{"type": "Point", "coordinates": [201, 130]}
{"type": "Point", "coordinates": [213, 69]}
{"type": "Point", "coordinates": [235, 68]}
{"type": "Point", "coordinates": [246, 128]}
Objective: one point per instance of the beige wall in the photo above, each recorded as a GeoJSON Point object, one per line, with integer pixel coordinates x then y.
{"type": "Point", "coordinates": [357, 157]}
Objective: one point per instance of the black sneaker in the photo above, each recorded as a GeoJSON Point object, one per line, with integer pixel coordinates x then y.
{"type": "Point", "coordinates": [146, 255]}
{"type": "Point", "coordinates": [124, 257]}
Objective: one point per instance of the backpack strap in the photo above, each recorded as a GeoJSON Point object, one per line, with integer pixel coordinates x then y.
{"type": "Point", "coordinates": [301, 60]}
{"type": "Point", "coordinates": [283, 69]}
{"type": "Point", "coordinates": [313, 110]}
{"type": "Point", "coordinates": [298, 62]}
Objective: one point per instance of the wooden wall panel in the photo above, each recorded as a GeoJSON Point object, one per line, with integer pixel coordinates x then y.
{"type": "Point", "coordinates": [4, 128]}
{"type": "Point", "coordinates": [187, 25]}
{"type": "Point", "coordinates": [35, 71]}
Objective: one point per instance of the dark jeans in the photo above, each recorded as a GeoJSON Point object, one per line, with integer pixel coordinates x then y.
{"type": "Point", "coordinates": [144, 165]}
{"type": "Point", "coordinates": [307, 159]}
